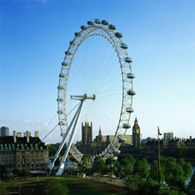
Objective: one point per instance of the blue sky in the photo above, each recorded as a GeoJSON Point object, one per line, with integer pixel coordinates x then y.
{"type": "Point", "coordinates": [161, 39]}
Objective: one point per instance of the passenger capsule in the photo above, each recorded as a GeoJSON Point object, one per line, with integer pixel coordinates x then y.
{"type": "Point", "coordinates": [118, 35]}
{"type": "Point", "coordinates": [60, 112]}
{"type": "Point", "coordinates": [90, 23]}
{"type": "Point", "coordinates": [64, 63]}
{"type": "Point", "coordinates": [121, 139]}
{"type": "Point", "coordinates": [131, 92]}
{"type": "Point", "coordinates": [72, 43]}
{"type": "Point", "coordinates": [128, 60]}
{"type": "Point", "coordinates": [68, 53]}
{"type": "Point", "coordinates": [61, 123]}
{"type": "Point", "coordinates": [59, 100]}
{"type": "Point", "coordinates": [130, 76]}
{"type": "Point", "coordinates": [97, 21]}
{"type": "Point", "coordinates": [129, 110]}
{"type": "Point", "coordinates": [83, 27]}
{"type": "Point", "coordinates": [60, 88]}
{"type": "Point", "coordinates": [126, 126]}
{"type": "Point", "coordinates": [112, 27]}
{"type": "Point", "coordinates": [104, 22]}
{"type": "Point", "coordinates": [124, 46]}
{"type": "Point", "coordinates": [76, 34]}
{"type": "Point", "coordinates": [61, 75]}
{"type": "Point", "coordinates": [117, 152]}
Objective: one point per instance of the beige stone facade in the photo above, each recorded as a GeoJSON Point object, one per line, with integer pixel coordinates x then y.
{"type": "Point", "coordinates": [27, 152]}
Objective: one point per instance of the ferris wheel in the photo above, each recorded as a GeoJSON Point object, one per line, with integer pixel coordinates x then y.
{"type": "Point", "coordinates": [86, 90]}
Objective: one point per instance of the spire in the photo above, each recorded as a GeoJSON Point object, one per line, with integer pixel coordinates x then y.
{"type": "Point", "coordinates": [136, 121]}
{"type": "Point", "coordinates": [100, 131]}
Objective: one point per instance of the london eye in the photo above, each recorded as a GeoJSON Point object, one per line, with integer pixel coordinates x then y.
{"type": "Point", "coordinates": [95, 83]}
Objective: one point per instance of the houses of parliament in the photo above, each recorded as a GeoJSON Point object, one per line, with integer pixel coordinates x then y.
{"type": "Point", "coordinates": [88, 145]}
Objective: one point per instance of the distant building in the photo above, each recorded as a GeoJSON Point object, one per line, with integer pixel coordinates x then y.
{"type": "Point", "coordinates": [136, 134]}
{"type": "Point", "coordinates": [166, 138]}
{"type": "Point", "coordinates": [23, 152]}
{"type": "Point", "coordinates": [88, 145]}
{"type": "Point", "coordinates": [4, 131]}
{"type": "Point", "coordinates": [109, 138]}
{"type": "Point", "coordinates": [87, 133]}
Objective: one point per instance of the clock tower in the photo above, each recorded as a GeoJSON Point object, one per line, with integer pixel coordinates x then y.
{"type": "Point", "coordinates": [136, 134]}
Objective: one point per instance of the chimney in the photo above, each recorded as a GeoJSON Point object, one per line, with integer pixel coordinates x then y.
{"type": "Point", "coordinates": [14, 135]}
{"type": "Point", "coordinates": [27, 136]}
{"type": "Point", "coordinates": [36, 134]}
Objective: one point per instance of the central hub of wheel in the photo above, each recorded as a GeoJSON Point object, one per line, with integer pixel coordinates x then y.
{"type": "Point", "coordinates": [89, 97]}
{"type": "Point", "coordinates": [83, 97]}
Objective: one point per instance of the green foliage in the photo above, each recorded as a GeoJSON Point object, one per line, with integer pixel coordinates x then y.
{"type": "Point", "coordinates": [86, 163]}
{"type": "Point", "coordinates": [187, 168]}
{"type": "Point", "coordinates": [141, 168]}
{"type": "Point", "coordinates": [169, 191]}
{"type": "Point", "coordinates": [98, 165]}
{"type": "Point", "coordinates": [154, 171]}
{"type": "Point", "coordinates": [126, 166]}
{"type": "Point", "coordinates": [111, 165]}
{"type": "Point", "coordinates": [174, 173]}
{"type": "Point", "coordinates": [134, 182]}
{"type": "Point", "coordinates": [192, 184]}
{"type": "Point", "coordinates": [53, 187]}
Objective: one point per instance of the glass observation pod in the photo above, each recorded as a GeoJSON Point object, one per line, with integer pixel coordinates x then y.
{"type": "Point", "coordinates": [61, 75]}
{"type": "Point", "coordinates": [60, 100]}
{"type": "Point", "coordinates": [72, 43]}
{"type": "Point", "coordinates": [68, 53]}
{"type": "Point", "coordinates": [60, 112]}
{"type": "Point", "coordinates": [129, 110]}
{"type": "Point", "coordinates": [116, 151]}
{"type": "Point", "coordinates": [121, 139]}
{"type": "Point", "coordinates": [97, 21]}
{"type": "Point", "coordinates": [131, 92]}
{"type": "Point", "coordinates": [124, 46]}
{"type": "Point", "coordinates": [104, 22]}
{"type": "Point", "coordinates": [112, 27]}
{"type": "Point", "coordinates": [61, 123]}
{"type": "Point", "coordinates": [130, 76]}
{"type": "Point", "coordinates": [126, 126]}
{"type": "Point", "coordinates": [90, 23]}
{"type": "Point", "coordinates": [76, 34]}
{"type": "Point", "coordinates": [83, 27]}
{"type": "Point", "coordinates": [64, 63]}
{"type": "Point", "coordinates": [118, 35]}
{"type": "Point", "coordinates": [60, 88]}
{"type": "Point", "coordinates": [128, 60]}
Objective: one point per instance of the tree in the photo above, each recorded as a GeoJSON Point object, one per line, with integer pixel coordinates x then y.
{"type": "Point", "coordinates": [126, 166]}
{"type": "Point", "coordinates": [191, 186]}
{"type": "Point", "coordinates": [98, 165]}
{"type": "Point", "coordinates": [170, 191]}
{"type": "Point", "coordinates": [111, 165]}
{"type": "Point", "coordinates": [141, 168]}
{"type": "Point", "coordinates": [187, 168]}
{"type": "Point", "coordinates": [154, 171]}
{"type": "Point", "coordinates": [134, 183]}
{"type": "Point", "coordinates": [174, 175]}
{"type": "Point", "coordinates": [86, 163]}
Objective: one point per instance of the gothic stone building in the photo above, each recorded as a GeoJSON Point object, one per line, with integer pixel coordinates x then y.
{"type": "Point", "coordinates": [23, 152]}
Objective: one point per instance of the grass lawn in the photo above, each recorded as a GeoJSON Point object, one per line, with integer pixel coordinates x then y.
{"type": "Point", "coordinates": [71, 185]}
